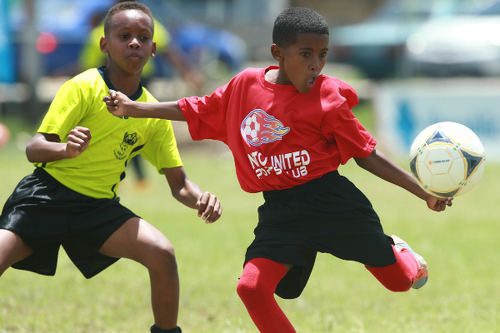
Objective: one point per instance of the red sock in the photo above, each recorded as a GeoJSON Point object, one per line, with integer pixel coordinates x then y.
{"type": "Point", "coordinates": [400, 275]}
{"type": "Point", "coordinates": [256, 289]}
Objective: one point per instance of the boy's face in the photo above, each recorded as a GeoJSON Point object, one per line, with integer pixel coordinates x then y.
{"type": "Point", "coordinates": [301, 62]}
{"type": "Point", "coordinates": [129, 43]}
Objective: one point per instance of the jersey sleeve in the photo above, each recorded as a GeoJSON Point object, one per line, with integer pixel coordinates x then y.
{"type": "Point", "coordinates": [65, 111]}
{"type": "Point", "coordinates": [341, 127]}
{"type": "Point", "coordinates": [206, 116]}
{"type": "Point", "coordinates": [161, 150]}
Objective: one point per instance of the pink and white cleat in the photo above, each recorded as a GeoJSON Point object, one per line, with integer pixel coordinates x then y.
{"type": "Point", "coordinates": [422, 273]}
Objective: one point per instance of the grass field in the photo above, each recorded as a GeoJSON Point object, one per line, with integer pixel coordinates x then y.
{"type": "Point", "coordinates": [461, 245]}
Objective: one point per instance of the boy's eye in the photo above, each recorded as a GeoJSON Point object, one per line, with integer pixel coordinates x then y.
{"type": "Point", "coordinates": [144, 38]}
{"type": "Point", "coordinates": [124, 36]}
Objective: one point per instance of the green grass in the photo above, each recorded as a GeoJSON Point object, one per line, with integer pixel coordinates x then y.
{"type": "Point", "coordinates": [461, 246]}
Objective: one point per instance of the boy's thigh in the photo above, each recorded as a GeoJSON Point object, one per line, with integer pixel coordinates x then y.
{"type": "Point", "coordinates": [136, 239]}
{"type": "Point", "coordinates": [12, 249]}
{"type": "Point", "coordinates": [84, 244]}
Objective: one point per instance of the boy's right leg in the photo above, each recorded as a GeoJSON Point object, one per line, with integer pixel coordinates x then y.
{"type": "Point", "coordinates": [409, 270]}
{"type": "Point", "coordinates": [12, 249]}
{"type": "Point", "coordinates": [256, 289]}
{"type": "Point", "coordinates": [138, 240]}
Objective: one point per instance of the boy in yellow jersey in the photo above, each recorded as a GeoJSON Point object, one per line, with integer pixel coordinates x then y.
{"type": "Point", "coordinates": [92, 56]}
{"type": "Point", "coordinates": [80, 152]}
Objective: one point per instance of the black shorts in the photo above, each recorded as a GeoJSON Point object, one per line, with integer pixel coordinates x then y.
{"type": "Point", "coordinates": [329, 215]}
{"type": "Point", "coordinates": [46, 215]}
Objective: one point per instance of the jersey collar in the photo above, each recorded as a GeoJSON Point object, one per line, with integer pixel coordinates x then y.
{"type": "Point", "coordinates": [104, 75]}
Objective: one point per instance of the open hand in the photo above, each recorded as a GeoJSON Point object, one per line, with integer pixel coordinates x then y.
{"type": "Point", "coordinates": [209, 207]}
{"type": "Point", "coordinates": [117, 103]}
{"type": "Point", "coordinates": [438, 204]}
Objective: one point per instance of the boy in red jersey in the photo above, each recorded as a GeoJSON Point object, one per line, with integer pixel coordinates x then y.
{"type": "Point", "coordinates": [289, 129]}
{"type": "Point", "coordinates": [80, 153]}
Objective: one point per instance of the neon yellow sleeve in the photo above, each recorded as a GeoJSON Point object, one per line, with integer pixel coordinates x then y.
{"type": "Point", "coordinates": [65, 111]}
{"type": "Point", "coordinates": [161, 151]}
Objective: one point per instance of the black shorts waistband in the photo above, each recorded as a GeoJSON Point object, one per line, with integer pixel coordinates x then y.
{"type": "Point", "coordinates": [42, 174]}
{"type": "Point", "coordinates": [48, 179]}
{"type": "Point", "coordinates": [317, 184]}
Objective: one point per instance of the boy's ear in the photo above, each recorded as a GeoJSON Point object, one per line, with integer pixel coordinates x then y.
{"type": "Point", "coordinates": [276, 52]}
{"type": "Point", "coordinates": [103, 44]}
{"type": "Point", "coordinates": [153, 52]}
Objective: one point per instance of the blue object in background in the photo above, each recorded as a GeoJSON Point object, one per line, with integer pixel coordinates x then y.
{"type": "Point", "coordinates": [7, 72]}
{"type": "Point", "coordinates": [62, 27]}
{"type": "Point", "coordinates": [223, 45]}
{"type": "Point", "coordinates": [405, 122]}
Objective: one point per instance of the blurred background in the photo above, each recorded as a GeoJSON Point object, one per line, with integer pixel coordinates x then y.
{"type": "Point", "coordinates": [413, 62]}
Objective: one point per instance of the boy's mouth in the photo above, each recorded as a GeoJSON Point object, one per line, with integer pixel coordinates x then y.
{"type": "Point", "coordinates": [134, 56]}
{"type": "Point", "coordinates": [312, 80]}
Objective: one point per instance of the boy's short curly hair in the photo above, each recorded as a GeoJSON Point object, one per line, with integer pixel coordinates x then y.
{"type": "Point", "coordinates": [296, 20]}
{"type": "Point", "coordinates": [121, 6]}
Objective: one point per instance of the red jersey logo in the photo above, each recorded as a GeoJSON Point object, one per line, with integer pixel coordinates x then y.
{"type": "Point", "coordinates": [259, 128]}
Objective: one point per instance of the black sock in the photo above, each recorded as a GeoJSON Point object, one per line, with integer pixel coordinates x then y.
{"type": "Point", "coordinates": [156, 329]}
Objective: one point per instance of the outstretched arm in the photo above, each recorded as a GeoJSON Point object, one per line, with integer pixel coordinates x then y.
{"type": "Point", "coordinates": [380, 166]}
{"type": "Point", "coordinates": [122, 106]}
{"type": "Point", "coordinates": [188, 193]}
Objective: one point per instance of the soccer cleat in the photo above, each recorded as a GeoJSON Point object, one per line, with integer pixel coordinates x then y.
{"type": "Point", "coordinates": [422, 273]}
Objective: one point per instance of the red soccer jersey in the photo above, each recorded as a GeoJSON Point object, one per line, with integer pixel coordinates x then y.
{"type": "Point", "coordinates": [280, 138]}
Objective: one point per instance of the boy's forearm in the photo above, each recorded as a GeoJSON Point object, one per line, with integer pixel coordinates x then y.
{"type": "Point", "coordinates": [380, 166]}
{"type": "Point", "coordinates": [45, 152]}
{"type": "Point", "coordinates": [188, 195]}
{"type": "Point", "coordinates": [163, 110]}
{"type": "Point", "coordinates": [181, 187]}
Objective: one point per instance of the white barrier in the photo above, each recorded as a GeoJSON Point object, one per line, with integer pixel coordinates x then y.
{"type": "Point", "coordinates": [404, 108]}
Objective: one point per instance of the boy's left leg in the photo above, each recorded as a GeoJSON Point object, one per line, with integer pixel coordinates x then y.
{"type": "Point", "coordinates": [140, 241]}
{"type": "Point", "coordinates": [256, 289]}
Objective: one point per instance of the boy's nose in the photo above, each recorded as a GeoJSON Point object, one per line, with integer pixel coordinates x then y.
{"type": "Point", "coordinates": [134, 43]}
{"type": "Point", "coordinates": [315, 64]}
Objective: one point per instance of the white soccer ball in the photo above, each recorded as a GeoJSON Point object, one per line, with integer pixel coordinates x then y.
{"type": "Point", "coordinates": [447, 159]}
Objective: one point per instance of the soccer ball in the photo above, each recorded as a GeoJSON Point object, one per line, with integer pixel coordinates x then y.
{"type": "Point", "coordinates": [447, 159]}
{"type": "Point", "coordinates": [251, 127]}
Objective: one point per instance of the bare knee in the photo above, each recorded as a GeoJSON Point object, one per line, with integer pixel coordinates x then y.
{"type": "Point", "coordinates": [162, 258]}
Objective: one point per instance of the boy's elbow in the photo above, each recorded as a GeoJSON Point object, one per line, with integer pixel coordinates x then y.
{"type": "Point", "coordinates": [178, 194]}
{"type": "Point", "coordinates": [364, 162]}
{"type": "Point", "coordinates": [360, 161]}
{"type": "Point", "coordinates": [29, 153]}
